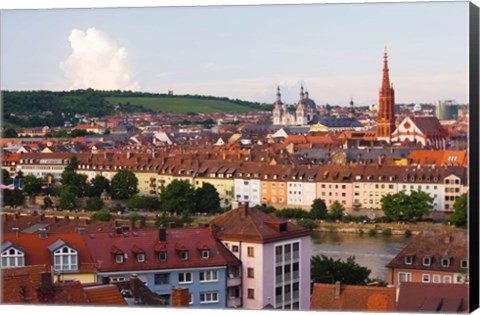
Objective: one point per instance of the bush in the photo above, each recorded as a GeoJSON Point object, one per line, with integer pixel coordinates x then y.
{"type": "Point", "coordinates": [292, 213]}
{"type": "Point", "coordinates": [164, 220]}
{"type": "Point", "coordinates": [361, 232]}
{"type": "Point", "coordinates": [372, 232]}
{"type": "Point", "coordinates": [408, 233]}
{"type": "Point", "coordinates": [94, 204]}
{"type": "Point", "coordinates": [387, 232]}
{"type": "Point", "coordinates": [101, 215]}
{"type": "Point", "coordinates": [307, 223]}
{"type": "Point", "coordinates": [134, 217]}
{"type": "Point", "coordinates": [266, 209]}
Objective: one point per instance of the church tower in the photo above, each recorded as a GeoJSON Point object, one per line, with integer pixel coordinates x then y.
{"type": "Point", "coordinates": [278, 111]}
{"type": "Point", "coordinates": [386, 105]}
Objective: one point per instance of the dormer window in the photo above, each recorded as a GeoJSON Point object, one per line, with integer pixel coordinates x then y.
{"type": "Point", "coordinates": [140, 258]}
{"type": "Point", "coordinates": [162, 256]}
{"type": "Point", "coordinates": [409, 259]}
{"type": "Point", "coordinates": [12, 257]}
{"type": "Point", "coordinates": [445, 262]}
{"type": "Point", "coordinates": [427, 261]}
{"type": "Point", "coordinates": [205, 254]}
{"type": "Point", "coordinates": [464, 263]}
{"type": "Point", "coordinates": [65, 258]}
{"type": "Point", "coordinates": [119, 258]}
{"type": "Point", "coordinates": [183, 255]}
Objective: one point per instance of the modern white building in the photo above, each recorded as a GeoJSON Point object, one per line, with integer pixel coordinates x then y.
{"type": "Point", "coordinates": [275, 257]}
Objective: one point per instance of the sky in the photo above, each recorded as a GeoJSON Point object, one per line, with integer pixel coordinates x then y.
{"type": "Point", "coordinates": [334, 50]}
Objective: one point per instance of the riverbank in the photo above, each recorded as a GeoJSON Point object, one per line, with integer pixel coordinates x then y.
{"type": "Point", "coordinates": [394, 228]}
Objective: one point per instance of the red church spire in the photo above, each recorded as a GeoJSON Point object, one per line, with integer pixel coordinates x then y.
{"type": "Point", "coordinates": [386, 105]}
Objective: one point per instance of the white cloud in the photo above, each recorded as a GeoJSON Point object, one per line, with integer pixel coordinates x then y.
{"type": "Point", "coordinates": [97, 62]}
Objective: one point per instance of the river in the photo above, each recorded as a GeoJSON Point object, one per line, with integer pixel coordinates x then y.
{"type": "Point", "coordinates": [373, 252]}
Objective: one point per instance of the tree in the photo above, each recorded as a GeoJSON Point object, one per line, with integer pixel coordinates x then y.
{"type": "Point", "coordinates": [13, 197]}
{"type": "Point", "coordinates": [32, 185]}
{"type": "Point", "coordinates": [67, 199]}
{"type": "Point", "coordinates": [47, 203]}
{"type": "Point", "coordinates": [207, 199]}
{"type": "Point", "coordinates": [143, 202]}
{"type": "Point", "coordinates": [327, 270]}
{"type": "Point", "coordinates": [6, 179]}
{"type": "Point", "coordinates": [98, 185]}
{"type": "Point", "coordinates": [76, 182]}
{"type": "Point", "coordinates": [78, 133]}
{"type": "Point", "coordinates": [60, 134]}
{"type": "Point", "coordinates": [72, 164]}
{"type": "Point", "coordinates": [94, 204]}
{"type": "Point", "coordinates": [404, 207]}
{"type": "Point", "coordinates": [124, 185]}
{"type": "Point", "coordinates": [9, 133]}
{"type": "Point", "coordinates": [318, 210]}
{"type": "Point", "coordinates": [177, 197]}
{"type": "Point", "coordinates": [459, 218]}
{"type": "Point", "coordinates": [336, 210]}
{"type": "Point", "coordinates": [101, 215]}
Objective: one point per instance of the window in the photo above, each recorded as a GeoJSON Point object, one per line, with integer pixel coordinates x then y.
{"type": "Point", "coordinates": [250, 252]}
{"type": "Point", "coordinates": [205, 254]}
{"type": "Point", "coordinates": [251, 273]}
{"type": "Point", "coordinates": [208, 297]}
{"type": "Point", "coordinates": [140, 257]}
{"type": "Point", "coordinates": [251, 294]}
{"type": "Point", "coordinates": [162, 256]}
{"type": "Point", "coordinates": [13, 258]}
{"type": "Point", "coordinates": [117, 279]}
{"type": "Point", "coordinates": [464, 263]}
{"type": "Point", "coordinates": [445, 262]}
{"type": "Point", "coordinates": [404, 277]}
{"type": "Point", "coordinates": [190, 301]}
{"type": "Point", "coordinates": [425, 278]}
{"type": "Point", "coordinates": [66, 258]}
{"type": "Point", "coordinates": [183, 255]}
{"type": "Point", "coordinates": [436, 278]}
{"type": "Point", "coordinates": [234, 293]}
{"type": "Point", "coordinates": [185, 277]}
{"type": "Point", "coordinates": [427, 261]}
{"type": "Point", "coordinates": [161, 278]}
{"type": "Point", "coordinates": [208, 276]}
{"type": "Point", "coordinates": [235, 248]}
{"type": "Point", "coordinates": [408, 259]}
{"type": "Point", "coordinates": [447, 279]}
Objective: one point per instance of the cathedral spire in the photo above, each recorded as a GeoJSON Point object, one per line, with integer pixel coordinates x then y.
{"type": "Point", "coordinates": [302, 95]}
{"type": "Point", "coordinates": [279, 96]}
{"type": "Point", "coordinates": [386, 105]}
{"type": "Point", "coordinates": [386, 77]}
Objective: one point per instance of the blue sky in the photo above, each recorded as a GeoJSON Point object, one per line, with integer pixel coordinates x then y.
{"type": "Point", "coordinates": [334, 50]}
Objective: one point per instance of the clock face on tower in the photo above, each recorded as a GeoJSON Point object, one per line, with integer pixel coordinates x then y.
{"type": "Point", "coordinates": [407, 125]}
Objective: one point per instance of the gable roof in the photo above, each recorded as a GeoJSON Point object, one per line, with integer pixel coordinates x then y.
{"type": "Point", "coordinates": [177, 239]}
{"type": "Point", "coordinates": [250, 224]}
{"type": "Point", "coordinates": [437, 244]}
{"type": "Point", "coordinates": [352, 298]}
{"type": "Point", "coordinates": [37, 249]}
{"type": "Point", "coordinates": [433, 297]}
{"type": "Point", "coordinates": [105, 295]}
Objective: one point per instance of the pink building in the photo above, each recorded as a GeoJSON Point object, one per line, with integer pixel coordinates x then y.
{"type": "Point", "coordinates": [275, 257]}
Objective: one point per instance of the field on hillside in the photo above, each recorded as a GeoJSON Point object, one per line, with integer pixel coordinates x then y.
{"type": "Point", "coordinates": [182, 105]}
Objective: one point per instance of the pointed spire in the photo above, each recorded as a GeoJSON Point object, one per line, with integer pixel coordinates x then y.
{"type": "Point", "coordinates": [386, 77]}
{"type": "Point", "coordinates": [302, 95]}
{"type": "Point", "coordinates": [279, 96]}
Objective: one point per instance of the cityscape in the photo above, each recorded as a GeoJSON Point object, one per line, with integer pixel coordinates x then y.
{"type": "Point", "coordinates": [215, 191]}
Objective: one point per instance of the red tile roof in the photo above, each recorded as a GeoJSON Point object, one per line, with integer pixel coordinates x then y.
{"type": "Point", "coordinates": [250, 224]}
{"type": "Point", "coordinates": [433, 297]}
{"type": "Point", "coordinates": [37, 252]}
{"type": "Point", "coordinates": [176, 239]}
{"type": "Point", "coordinates": [437, 244]}
{"type": "Point", "coordinates": [105, 295]}
{"type": "Point", "coordinates": [352, 298]}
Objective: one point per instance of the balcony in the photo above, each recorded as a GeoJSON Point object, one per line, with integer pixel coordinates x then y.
{"type": "Point", "coordinates": [233, 281]}
{"type": "Point", "coordinates": [234, 302]}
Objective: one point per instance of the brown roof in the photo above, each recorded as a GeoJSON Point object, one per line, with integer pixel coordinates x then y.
{"type": "Point", "coordinates": [250, 224]}
{"type": "Point", "coordinates": [433, 297]}
{"type": "Point", "coordinates": [19, 284]}
{"type": "Point", "coordinates": [436, 244]}
{"type": "Point", "coordinates": [430, 126]}
{"type": "Point", "coordinates": [352, 298]}
{"type": "Point", "coordinates": [105, 295]}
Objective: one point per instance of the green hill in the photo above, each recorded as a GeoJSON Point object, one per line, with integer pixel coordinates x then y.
{"type": "Point", "coordinates": [184, 104]}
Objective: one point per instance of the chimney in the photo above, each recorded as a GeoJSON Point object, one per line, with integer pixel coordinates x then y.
{"type": "Point", "coordinates": [162, 234]}
{"type": "Point", "coordinates": [245, 209]}
{"type": "Point", "coordinates": [67, 218]}
{"type": "Point", "coordinates": [134, 287]}
{"type": "Point", "coordinates": [337, 289]}
{"type": "Point", "coordinates": [16, 231]}
{"type": "Point", "coordinates": [46, 283]}
{"type": "Point", "coordinates": [180, 297]}
{"type": "Point", "coordinates": [42, 233]}
{"type": "Point", "coordinates": [447, 239]}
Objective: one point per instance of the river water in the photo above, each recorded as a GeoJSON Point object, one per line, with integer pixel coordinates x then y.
{"type": "Point", "coordinates": [373, 252]}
